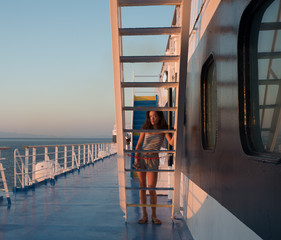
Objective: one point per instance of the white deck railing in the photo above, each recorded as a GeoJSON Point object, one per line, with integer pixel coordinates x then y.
{"type": "Point", "coordinates": [3, 177]}
{"type": "Point", "coordinates": [39, 163]}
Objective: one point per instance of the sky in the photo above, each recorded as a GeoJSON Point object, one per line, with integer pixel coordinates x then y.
{"type": "Point", "coordinates": [56, 65]}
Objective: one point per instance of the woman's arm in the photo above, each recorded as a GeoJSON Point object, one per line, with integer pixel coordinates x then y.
{"type": "Point", "coordinates": [170, 139]}
{"type": "Point", "coordinates": [139, 144]}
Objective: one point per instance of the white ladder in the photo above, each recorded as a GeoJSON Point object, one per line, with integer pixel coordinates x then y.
{"type": "Point", "coordinates": [119, 85]}
{"type": "Point", "coordinates": [3, 178]}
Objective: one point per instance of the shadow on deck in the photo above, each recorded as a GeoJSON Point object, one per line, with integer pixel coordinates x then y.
{"type": "Point", "coordinates": [82, 205]}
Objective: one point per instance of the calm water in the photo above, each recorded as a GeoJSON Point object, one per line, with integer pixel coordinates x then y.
{"type": "Point", "coordinates": [18, 143]}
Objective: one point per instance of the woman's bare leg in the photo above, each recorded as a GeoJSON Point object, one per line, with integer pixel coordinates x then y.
{"type": "Point", "coordinates": [142, 194]}
{"type": "Point", "coordinates": [152, 181]}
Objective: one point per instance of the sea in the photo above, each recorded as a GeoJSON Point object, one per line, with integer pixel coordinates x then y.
{"type": "Point", "coordinates": [18, 143]}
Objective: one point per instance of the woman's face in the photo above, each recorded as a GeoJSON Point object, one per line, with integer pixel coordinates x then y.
{"type": "Point", "coordinates": [154, 118]}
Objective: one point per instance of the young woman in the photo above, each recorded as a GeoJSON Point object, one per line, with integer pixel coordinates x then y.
{"type": "Point", "coordinates": [150, 141]}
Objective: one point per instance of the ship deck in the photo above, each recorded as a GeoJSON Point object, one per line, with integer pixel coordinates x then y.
{"type": "Point", "coordinates": [83, 205]}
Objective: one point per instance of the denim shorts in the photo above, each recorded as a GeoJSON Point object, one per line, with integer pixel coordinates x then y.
{"type": "Point", "coordinates": [149, 161]}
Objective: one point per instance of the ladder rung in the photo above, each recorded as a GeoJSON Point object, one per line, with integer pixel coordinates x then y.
{"type": "Point", "coordinates": [269, 81]}
{"type": "Point", "coordinates": [149, 31]}
{"type": "Point", "coordinates": [149, 84]}
{"type": "Point", "coordinates": [138, 59]}
{"type": "Point", "coordinates": [149, 108]}
{"type": "Point", "coordinates": [149, 205]}
{"type": "Point", "coordinates": [270, 26]}
{"type": "Point", "coordinates": [266, 129]}
{"type": "Point", "coordinates": [269, 106]}
{"type": "Point", "coordinates": [147, 188]}
{"type": "Point", "coordinates": [149, 151]}
{"type": "Point", "coordinates": [131, 3]}
{"type": "Point", "coordinates": [149, 130]}
{"type": "Point", "coordinates": [269, 55]}
{"type": "Point", "coordinates": [149, 170]}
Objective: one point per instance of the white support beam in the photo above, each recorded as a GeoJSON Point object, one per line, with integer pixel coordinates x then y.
{"type": "Point", "coordinates": [115, 13]}
{"type": "Point", "coordinates": [185, 13]}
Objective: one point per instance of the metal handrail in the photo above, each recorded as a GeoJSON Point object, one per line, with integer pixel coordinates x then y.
{"type": "Point", "coordinates": [27, 172]}
{"type": "Point", "coordinates": [3, 177]}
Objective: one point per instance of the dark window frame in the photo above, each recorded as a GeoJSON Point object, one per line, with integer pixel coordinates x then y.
{"type": "Point", "coordinates": [246, 48]}
{"type": "Point", "coordinates": [204, 78]}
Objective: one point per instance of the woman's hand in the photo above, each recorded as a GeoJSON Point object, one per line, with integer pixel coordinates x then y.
{"type": "Point", "coordinates": [136, 164]}
{"type": "Point", "coordinates": [170, 139]}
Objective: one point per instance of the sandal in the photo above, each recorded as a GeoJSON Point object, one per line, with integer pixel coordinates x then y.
{"type": "Point", "coordinates": [156, 221]}
{"type": "Point", "coordinates": [143, 220]}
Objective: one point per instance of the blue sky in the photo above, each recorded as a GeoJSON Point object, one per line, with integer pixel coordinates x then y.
{"type": "Point", "coordinates": [56, 65]}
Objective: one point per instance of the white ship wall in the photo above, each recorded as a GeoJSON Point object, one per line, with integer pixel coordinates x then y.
{"type": "Point", "coordinates": [207, 219]}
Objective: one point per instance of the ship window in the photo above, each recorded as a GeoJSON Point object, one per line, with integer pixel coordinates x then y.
{"type": "Point", "coordinates": [260, 88]}
{"type": "Point", "coordinates": [209, 104]}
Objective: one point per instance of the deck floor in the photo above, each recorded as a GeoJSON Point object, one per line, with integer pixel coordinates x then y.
{"type": "Point", "coordinates": [83, 205]}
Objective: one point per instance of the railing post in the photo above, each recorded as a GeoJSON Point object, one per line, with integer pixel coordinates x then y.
{"type": "Point", "coordinates": [92, 157]}
{"type": "Point", "coordinates": [89, 153]}
{"type": "Point", "coordinates": [4, 178]}
{"type": "Point", "coordinates": [46, 159]}
{"type": "Point", "coordinates": [56, 159]}
{"type": "Point", "coordinates": [72, 156]}
{"type": "Point", "coordinates": [96, 152]}
{"type": "Point", "coordinates": [15, 169]}
{"type": "Point", "coordinates": [26, 167]}
{"type": "Point", "coordinates": [79, 152]}
{"type": "Point", "coordinates": [102, 150]}
{"type": "Point", "coordinates": [84, 154]}
{"type": "Point", "coordinates": [65, 158]}
{"type": "Point", "coordinates": [33, 164]}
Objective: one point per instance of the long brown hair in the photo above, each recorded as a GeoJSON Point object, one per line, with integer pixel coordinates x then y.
{"type": "Point", "coordinates": [162, 124]}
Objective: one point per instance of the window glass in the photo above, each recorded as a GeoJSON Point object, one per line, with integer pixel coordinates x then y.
{"type": "Point", "coordinates": [264, 118]}
{"type": "Point", "coordinates": [209, 104]}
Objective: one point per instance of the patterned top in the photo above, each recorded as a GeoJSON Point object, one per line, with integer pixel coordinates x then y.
{"type": "Point", "coordinates": [153, 141]}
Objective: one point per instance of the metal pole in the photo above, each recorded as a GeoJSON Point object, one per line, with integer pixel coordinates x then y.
{"type": "Point", "coordinates": [72, 157]}
{"type": "Point", "coordinates": [65, 158]}
{"type": "Point", "coordinates": [89, 153]}
{"type": "Point", "coordinates": [92, 157]}
{"type": "Point", "coordinates": [33, 164]}
{"type": "Point", "coordinates": [84, 154]}
{"type": "Point", "coordinates": [26, 183]}
{"type": "Point", "coordinates": [79, 152]}
{"type": "Point", "coordinates": [15, 169]}
{"type": "Point", "coordinates": [56, 158]}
